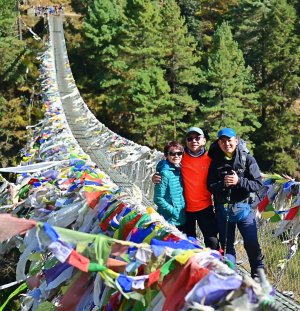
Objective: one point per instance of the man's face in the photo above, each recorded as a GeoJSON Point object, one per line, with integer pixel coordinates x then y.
{"type": "Point", "coordinates": [195, 142]}
{"type": "Point", "coordinates": [228, 145]}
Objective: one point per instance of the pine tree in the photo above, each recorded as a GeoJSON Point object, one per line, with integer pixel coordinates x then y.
{"type": "Point", "coordinates": [8, 18]}
{"type": "Point", "coordinates": [180, 66]}
{"type": "Point", "coordinates": [282, 67]}
{"type": "Point", "coordinates": [230, 96]}
{"type": "Point", "coordinates": [269, 26]}
{"type": "Point", "coordinates": [102, 28]}
{"type": "Point", "coordinates": [150, 102]}
{"type": "Point", "coordinates": [189, 10]}
{"type": "Point", "coordinates": [13, 115]}
{"type": "Point", "coordinates": [102, 32]}
{"type": "Point", "coordinates": [11, 48]}
{"type": "Point", "coordinates": [125, 41]}
{"type": "Point", "coordinates": [144, 93]}
{"type": "Point", "coordinates": [211, 14]}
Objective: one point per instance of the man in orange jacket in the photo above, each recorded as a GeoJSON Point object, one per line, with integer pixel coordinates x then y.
{"type": "Point", "coordinates": [199, 208]}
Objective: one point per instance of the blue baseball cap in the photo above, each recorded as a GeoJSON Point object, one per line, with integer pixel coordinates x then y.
{"type": "Point", "coordinates": [227, 131]}
{"type": "Point", "coordinates": [195, 129]}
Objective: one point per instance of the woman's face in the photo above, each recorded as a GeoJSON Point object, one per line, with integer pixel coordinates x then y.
{"type": "Point", "coordinates": [174, 155]}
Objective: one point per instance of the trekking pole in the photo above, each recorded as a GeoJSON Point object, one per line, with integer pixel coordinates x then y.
{"type": "Point", "coordinates": [227, 219]}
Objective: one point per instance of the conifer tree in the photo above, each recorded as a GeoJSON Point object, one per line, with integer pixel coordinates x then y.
{"type": "Point", "coordinates": [132, 82]}
{"type": "Point", "coordinates": [11, 48]}
{"type": "Point", "coordinates": [143, 92]}
{"type": "Point", "coordinates": [271, 45]}
{"type": "Point", "coordinates": [190, 11]}
{"type": "Point", "coordinates": [211, 14]}
{"type": "Point", "coordinates": [13, 114]}
{"type": "Point", "coordinates": [103, 31]}
{"type": "Point", "coordinates": [102, 27]}
{"type": "Point", "coordinates": [230, 96]}
{"type": "Point", "coordinates": [181, 71]}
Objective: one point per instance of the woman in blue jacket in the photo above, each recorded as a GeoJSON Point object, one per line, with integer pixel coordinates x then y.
{"type": "Point", "coordinates": [168, 194]}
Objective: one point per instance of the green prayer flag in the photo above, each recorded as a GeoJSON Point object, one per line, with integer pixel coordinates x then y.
{"type": "Point", "coordinates": [95, 267]}
{"type": "Point", "coordinates": [46, 306]}
{"type": "Point", "coordinates": [167, 267]}
{"type": "Point", "coordinates": [18, 290]}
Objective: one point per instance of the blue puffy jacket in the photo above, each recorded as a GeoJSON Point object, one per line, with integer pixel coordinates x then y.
{"type": "Point", "coordinates": [168, 194]}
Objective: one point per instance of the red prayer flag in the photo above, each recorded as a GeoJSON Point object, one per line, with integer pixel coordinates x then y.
{"type": "Point", "coordinates": [32, 181]}
{"type": "Point", "coordinates": [104, 225]}
{"type": "Point", "coordinates": [171, 237]}
{"type": "Point", "coordinates": [77, 260]}
{"type": "Point", "coordinates": [69, 181]}
{"type": "Point", "coordinates": [153, 278]}
{"type": "Point", "coordinates": [262, 204]}
{"type": "Point", "coordinates": [292, 213]}
{"type": "Point", "coordinates": [93, 197]}
{"type": "Point", "coordinates": [129, 226]}
{"type": "Point", "coordinates": [91, 178]}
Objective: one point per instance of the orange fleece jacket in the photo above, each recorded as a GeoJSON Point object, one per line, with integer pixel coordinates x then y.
{"type": "Point", "coordinates": [194, 172]}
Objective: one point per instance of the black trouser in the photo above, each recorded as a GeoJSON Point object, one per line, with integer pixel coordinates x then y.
{"type": "Point", "coordinates": [207, 223]}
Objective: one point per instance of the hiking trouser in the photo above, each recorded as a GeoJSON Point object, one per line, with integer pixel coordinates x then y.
{"type": "Point", "coordinates": [207, 224]}
{"type": "Point", "coordinates": [248, 230]}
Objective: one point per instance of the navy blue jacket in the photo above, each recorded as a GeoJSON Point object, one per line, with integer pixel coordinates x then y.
{"type": "Point", "coordinates": [243, 164]}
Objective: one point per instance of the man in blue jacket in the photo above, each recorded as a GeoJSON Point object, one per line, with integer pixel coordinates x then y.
{"type": "Point", "coordinates": [233, 176]}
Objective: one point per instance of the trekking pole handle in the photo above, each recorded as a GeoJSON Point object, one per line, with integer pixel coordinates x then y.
{"type": "Point", "coordinates": [228, 195]}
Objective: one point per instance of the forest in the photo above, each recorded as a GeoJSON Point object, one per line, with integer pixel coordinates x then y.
{"type": "Point", "coordinates": [150, 69]}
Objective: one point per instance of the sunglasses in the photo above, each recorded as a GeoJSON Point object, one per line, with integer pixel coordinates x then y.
{"type": "Point", "coordinates": [173, 154]}
{"type": "Point", "coordinates": [197, 138]}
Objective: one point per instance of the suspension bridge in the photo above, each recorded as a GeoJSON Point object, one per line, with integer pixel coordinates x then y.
{"type": "Point", "coordinates": [130, 167]}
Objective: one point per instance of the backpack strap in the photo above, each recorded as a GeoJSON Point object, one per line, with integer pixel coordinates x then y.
{"type": "Point", "coordinates": [244, 160]}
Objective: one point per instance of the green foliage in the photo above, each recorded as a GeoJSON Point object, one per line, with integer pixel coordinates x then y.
{"type": "Point", "coordinates": [15, 84]}
{"type": "Point", "coordinates": [146, 80]}
{"type": "Point", "coordinates": [230, 95]}
{"type": "Point", "coordinates": [8, 264]}
{"type": "Point", "coordinates": [139, 86]}
{"type": "Point", "coordinates": [12, 130]}
{"type": "Point", "coordinates": [181, 66]}
{"type": "Point", "coordinates": [281, 55]}
{"type": "Point", "coordinates": [189, 10]}
{"type": "Point", "coordinates": [211, 14]}
{"type": "Point", "coordinates": [8, 18]}
{"type": "Point", "coordinates": [278, 145]}
{"type": "Point", "coordinates": [102, 34]}
{"type": "Point", "coordinates": [11, 49]}
{"type": "Point", "coordinates": [3, 103]}
{"type": "Point", "coordinates": [147, 61]}
{"type": "Point", "coordinates": [270, 27]}
{"type": "Point", "coordinates": [101, 24]}
{"type": "Point", "coordinates": [150, 100]}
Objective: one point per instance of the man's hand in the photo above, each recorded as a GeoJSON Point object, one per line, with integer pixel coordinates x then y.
{"type": "Point", "coordinates": [231, 180]}
{"type": "Point", "coordinates": [156, 178]}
